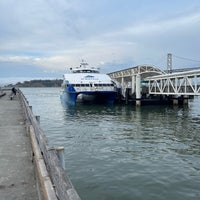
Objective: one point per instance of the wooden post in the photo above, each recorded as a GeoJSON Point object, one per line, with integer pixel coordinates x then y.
{"type": "Point", "coordinates": [60, 153]}
{"type": "Point", "coordinates": [38, 119]}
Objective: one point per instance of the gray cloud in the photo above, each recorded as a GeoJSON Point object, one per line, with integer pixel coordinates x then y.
{"type": "Point", "coordinates": [57, 34]}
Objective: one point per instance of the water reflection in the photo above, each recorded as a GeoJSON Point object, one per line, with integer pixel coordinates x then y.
{"type": "Point", "coordinates": [126, 152]}
{"type": "Point", "coordinates": [161, 127]}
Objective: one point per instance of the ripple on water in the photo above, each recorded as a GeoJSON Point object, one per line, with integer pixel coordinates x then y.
{"type": "Point", "coordinates": [124, 152]}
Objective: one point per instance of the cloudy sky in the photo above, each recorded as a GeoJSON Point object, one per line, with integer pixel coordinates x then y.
{"type": "Point", "coordinates": [48, 36]}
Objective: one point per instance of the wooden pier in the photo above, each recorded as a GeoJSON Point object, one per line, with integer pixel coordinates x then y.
{"type": "Point", "coordinates": [29, 167]}
{"type": "Point", "coordinates": [17, 175]}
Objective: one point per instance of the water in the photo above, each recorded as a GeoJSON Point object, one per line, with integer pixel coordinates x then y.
{"type": "Point", "coordinates": [124, 152]}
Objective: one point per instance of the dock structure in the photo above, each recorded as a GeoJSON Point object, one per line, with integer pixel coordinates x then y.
{"type": "Point", "coordinates": [29, 167]}
{"type": "Point", "coordinates": [130, 79]}
{"type": "Point", "coordinates": [180, 84]}
{"type": "Point", "coordinates": [17, 175]}
{"type": "Point", "coordinates": [148, 82]}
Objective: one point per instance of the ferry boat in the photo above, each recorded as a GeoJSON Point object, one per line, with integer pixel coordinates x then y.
{"type": "Point", "coordinates": [86, 83]}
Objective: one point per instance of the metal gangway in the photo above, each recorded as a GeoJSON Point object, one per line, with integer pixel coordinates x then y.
{"type": "Point", "coordinates": [180, 83]}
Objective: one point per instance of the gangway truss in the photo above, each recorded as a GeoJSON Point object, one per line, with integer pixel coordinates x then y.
{"type": "Point", "coordinates": [181, 83]}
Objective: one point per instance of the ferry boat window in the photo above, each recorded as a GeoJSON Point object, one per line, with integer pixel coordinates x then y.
{"type": "Point", "coordinates": [85, 71]}
{"type": "Point", "coordinates": [82, 85]}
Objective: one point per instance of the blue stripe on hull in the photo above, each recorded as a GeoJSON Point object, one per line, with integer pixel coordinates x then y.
{"type": "Point", "coordinates": [69, 98]}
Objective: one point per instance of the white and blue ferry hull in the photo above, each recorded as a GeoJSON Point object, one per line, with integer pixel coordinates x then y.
{"type": "Point", "coordinates": [71, 97]}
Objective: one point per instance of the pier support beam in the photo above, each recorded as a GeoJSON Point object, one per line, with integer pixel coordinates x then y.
{"type": "Point", "coordinates": [185, 100]}
{"type": "Point", "coordinates": [133, 84]}
{"type": "Point", "coordinates": [175, 100]}
{"type": "Point", "coordinates": [138, 90]}
{"type": "Point", "coordinates": [122, 86]}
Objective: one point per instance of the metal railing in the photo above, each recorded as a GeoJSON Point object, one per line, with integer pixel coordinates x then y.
{"type": "Point", "coordinates": [182, 83]}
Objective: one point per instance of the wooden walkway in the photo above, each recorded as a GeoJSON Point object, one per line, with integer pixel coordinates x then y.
{"type": "Point", "coordinates": [17, 176]}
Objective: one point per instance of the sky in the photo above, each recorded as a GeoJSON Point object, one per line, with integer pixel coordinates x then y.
{"type": "Point", "coordinates": [44, 38]}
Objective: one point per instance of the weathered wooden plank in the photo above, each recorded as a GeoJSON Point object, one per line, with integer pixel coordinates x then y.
{"type": "Point", "coordinates": [45, 182]}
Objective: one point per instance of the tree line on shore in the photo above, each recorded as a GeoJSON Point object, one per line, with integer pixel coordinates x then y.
{"type": "Point", "coordinates": [38, 83]}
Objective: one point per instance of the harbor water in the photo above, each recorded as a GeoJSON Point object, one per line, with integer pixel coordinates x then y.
{"type": "Point", "coordinates": [124, 152]}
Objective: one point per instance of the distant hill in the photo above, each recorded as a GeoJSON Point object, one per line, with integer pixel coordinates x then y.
{"type": "Point", "coordinates": [39, 83]}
